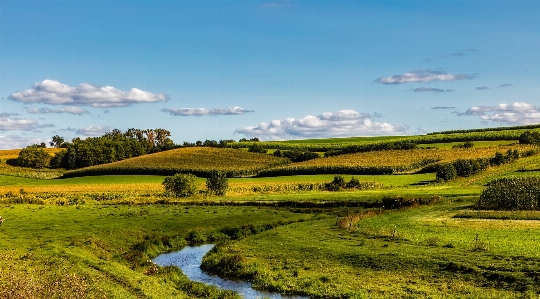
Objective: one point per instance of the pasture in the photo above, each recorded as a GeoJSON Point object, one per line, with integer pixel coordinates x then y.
{"type": "Point", "coordinates": [90, 234]}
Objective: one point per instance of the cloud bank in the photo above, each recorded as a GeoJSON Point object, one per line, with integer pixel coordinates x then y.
{"type": "Point", "coordinates": [518, 113]}
{"type": "Point", "coordinates": [21, 124]}
{"type": "Point", "coordinates": [14, 141]}
{"type": "Point", "coordinates": [92, 131]}
{"type": "Point", "coordinates": [67, 109]}
{"type": "Point", "coordinates": [339, 124]}
{"type": "Point", "coordinates": [443, 107]}
{"type": "Point", "coordinates": [422, 76]}
{"type": "Point", "coordinates": [55, 93]}
{"type": "Point", "coordinates": [204, 111]}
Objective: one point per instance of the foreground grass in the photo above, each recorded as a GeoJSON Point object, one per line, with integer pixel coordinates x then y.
{"type": "Point", "coordinates": [416, 253]}
{"type": "Point", "coordinates": [100, 248]}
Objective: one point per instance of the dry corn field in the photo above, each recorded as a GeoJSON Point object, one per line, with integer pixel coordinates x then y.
{"type": "Point", "coordinates": [409, 158]}
{"type": "Point", "coordinates": [196, 160]}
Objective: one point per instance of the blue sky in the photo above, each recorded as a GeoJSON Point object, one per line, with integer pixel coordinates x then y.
{"type": "Point", "coordinates": [267, 69]}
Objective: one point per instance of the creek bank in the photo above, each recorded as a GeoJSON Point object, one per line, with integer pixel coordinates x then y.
{"type": "Point", "coordinates": [189, 261]}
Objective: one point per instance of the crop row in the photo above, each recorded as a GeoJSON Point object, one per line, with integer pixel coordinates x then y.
{"type": "Point", "coordinates": [387, 162]}
{"type": "Point", "coordinates": [401, 143]}
{"type": "Point", "coordinates": [196, 160]}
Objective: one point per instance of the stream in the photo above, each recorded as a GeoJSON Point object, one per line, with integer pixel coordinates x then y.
{"type": "Point", "coordinates": [189, 261]}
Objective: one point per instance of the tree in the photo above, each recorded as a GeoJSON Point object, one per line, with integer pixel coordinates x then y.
{"type": "Point", "coordinates": [33, 156]}
{"type": "Point", "coordinates": [217, 183]}
{"type": "Point", "coordinates": [57, 141]}
{"type": "Point", "coordinates": [180, 184]}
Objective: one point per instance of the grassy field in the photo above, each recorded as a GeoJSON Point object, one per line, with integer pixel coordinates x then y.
{"type": "Point", "coordinates": [415, 253]}
{"type": "Point", "coordinates": [92, 236]}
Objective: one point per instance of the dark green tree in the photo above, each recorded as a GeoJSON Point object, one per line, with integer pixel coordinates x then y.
{"type": "Point", "coordinates": [33, 156]}
{"type": "Point", "coordinates": [217, 183]}
{"type": "Point", "coordinates": [180, 185]}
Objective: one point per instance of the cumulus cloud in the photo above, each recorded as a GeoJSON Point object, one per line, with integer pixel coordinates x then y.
{"type": "Point", "coordinates": [481, 88]}
{"type": "Point", "coordinates": [67, 109]}
{"type": "Point", "coordinates": [92, 131]}
{"type": "Point", "coordinates": [204, 111]}
{"type": "Point", "coordinates": [339, 124]}
{"type": "Point", "coordinates": [55, 93]}
{"type": "Point", "coordinates": [518, 113]}
{"type": "Point", "coordinates": [443, 107]}
{"type": "Point", "coordinates": [427, 89]}
{"type": "Point", "coordinates": [18, 124]}
{"type": "Point", "coordinates": [14, 141]}
{"type": "Point", "coordinates": [422, 76]}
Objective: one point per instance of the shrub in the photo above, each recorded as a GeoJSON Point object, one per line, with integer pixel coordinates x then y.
{"type": "Point", "coordinates": [446, 172]}
{"type": "Point", "coordinates": [354, 183]}
{"type": "Point", "coordinates": [464, 168]}
{"type": "Point", "coordinates": [514, 193]}
{"type": "Point", "coordinates": [257, 148]}
{"type": "Point", "coordinates": [33, 156]}
{"type": "Point", "coordinates": [337, 184]}
{"type": "Point", "coordinates": [467, 144]}
{"type": "Point", "coordinates": [217, 183]}
{"type": "Point", "coordinates": [180, 184]}
{"type": "Point", "coordinates": [530, 137]}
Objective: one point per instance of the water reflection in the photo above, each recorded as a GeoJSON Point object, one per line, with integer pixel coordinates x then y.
{"type": "Point", "coordinates": [189, 261]}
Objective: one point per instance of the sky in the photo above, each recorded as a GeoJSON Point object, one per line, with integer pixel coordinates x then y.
{"type": "Point", "coordinates": [269, 69]}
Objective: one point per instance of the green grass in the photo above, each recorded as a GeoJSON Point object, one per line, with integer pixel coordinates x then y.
{"type": "Point", "coordinates": [415, 253]}
{"type": "Point", "coordinates": [95, 243]}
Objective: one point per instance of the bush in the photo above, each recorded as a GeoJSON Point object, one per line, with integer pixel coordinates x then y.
{"type": "Point", "coordinates": [467, 144]}
{"type": "Point", "coordinates": [180, 184]}
{"type": "Point", "coordinates": [257, 148]}
{"type": "Point", "coordinates": [464, 168]}
{"type": "Point", "coordinates": [446, 172]}
{"type": "Point", "coordinates": [217, 183]}
{"type": "Point", "coordinates": [512, 193]}
{"type": "Point", "coordinates": [337, 184]}
{"type": "Point", "coordinates": [33, 156]}
{"type": "Point", "coordinates": [354, 183]}
{"type": "Point", "coordinates": [530, 137]}
{"type": "Point", "coordinates": [300, 156]}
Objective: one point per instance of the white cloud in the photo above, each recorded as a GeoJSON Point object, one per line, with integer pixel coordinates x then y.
{"type": "Point", "coordinates": [204, 111]}
{"type": "Point", "coordinates": [422, 76]}
{"type": "Point", "coordinates": [92, 131]}
{"type": "Point", "coordinates": [340, 124]}
{"type": "Point", "coordinates": [481, 88]}
{"type": "Point", "coordinates": [20, 124]}
{"type": "Point", "coordinates": [518, 113]}
{"type": "Point", "coordinates": [14, 141]}
{"type": "Point", "coordinates": [55, 93]}
{"type": "Point", "coordinates": [67, 109]}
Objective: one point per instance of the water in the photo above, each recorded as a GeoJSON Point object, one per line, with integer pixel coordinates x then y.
{"type": "Point", "coordinates": [189, 261]}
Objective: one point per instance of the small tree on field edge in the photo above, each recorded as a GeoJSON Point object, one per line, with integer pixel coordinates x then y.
{"type": "Point", "coordinates": [180, 184]}
{"type": "Point", "coordinates": [217, 183]}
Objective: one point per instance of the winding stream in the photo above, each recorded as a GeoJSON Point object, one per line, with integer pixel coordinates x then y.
{"type": "Point", "coordinates": [189, 261]}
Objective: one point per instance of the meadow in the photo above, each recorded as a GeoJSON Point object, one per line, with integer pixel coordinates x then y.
{"type": "Point", "coordinates": [90, 233]}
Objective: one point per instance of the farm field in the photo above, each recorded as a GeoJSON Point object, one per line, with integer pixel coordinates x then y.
{"type": "Point", "coordinates": [92, 236]}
